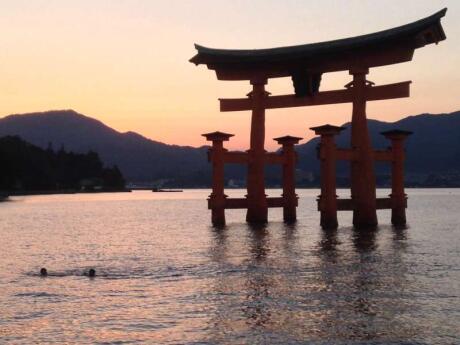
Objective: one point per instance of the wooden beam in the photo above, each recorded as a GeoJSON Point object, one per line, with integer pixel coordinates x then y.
{"type": "Point", "coordinates": [349, 155]}
{"type": "Point", "coordinates": [373, 93]}
{"type": "Point", "coordinates": [348, 204]}
{"type": "Point", "coordinates": [242, 203]}
{"type": "Point", "coordinates": [273, 158]}
{"type": "Point", "coordinates": [275, 202]}
{"type": "Point", "coordinates": [342, 205]}
{"type": "Point", "coordinates": [236, 157]}
{"type": "Point", "coordinates": [345, 154]}
{"type": "Point", "coordinates": [383, 203]}
{"type": "Point", "coordinates": [389, 91]}
{"type": "Point", "coordinates": [383, 155]}
{"type": "Point", "coordinates": [236, 203]}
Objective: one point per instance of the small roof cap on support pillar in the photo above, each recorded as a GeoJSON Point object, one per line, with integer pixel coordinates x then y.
{"type": "Point", "coordinates": [287, 139]}
{"type": "Point", "coordinates": [217, 136]}
{"type": "Point", "coordinates": [327, 129]}
{"type": "Point", "coordinates": [396, 134]}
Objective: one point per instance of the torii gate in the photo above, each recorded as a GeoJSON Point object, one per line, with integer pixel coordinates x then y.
{"type": "Point", "coordinates": [305, 64]}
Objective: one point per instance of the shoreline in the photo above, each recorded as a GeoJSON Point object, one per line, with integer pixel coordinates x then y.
{"type": "Point", "coordinates": [67, 191]}
{"type": "Point", "coordinates": [5, 197]}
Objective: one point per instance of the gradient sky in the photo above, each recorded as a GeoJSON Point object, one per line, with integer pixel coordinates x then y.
{"type": "Point", "coordinates": [126, 62]}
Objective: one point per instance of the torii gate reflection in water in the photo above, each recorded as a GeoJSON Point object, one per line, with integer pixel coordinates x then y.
{"type": "Point", "coordinates": [305, 64]}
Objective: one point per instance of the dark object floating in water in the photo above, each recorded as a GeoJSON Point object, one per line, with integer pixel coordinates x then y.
{"type": "Point", "coordinates": [43, 272]}
{"type": "Point", "coordinates": [92, 272]}
{"type": "Point", "coordinates": [166, 190]}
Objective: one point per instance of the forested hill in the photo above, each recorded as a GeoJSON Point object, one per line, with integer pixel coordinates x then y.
{"type": "Point", "coordinates": [28, 168]}
{"type": "Point", "coordinates": [139, 158]}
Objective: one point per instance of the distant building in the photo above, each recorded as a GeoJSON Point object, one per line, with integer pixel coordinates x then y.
{"type": "Point", "coordinates": [91, 184]}
{"type": "Point", "coordinates": [233, 183]}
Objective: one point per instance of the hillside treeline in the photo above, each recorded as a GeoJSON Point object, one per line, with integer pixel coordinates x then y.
{"type": "Point", "coordinates": [25, 167]}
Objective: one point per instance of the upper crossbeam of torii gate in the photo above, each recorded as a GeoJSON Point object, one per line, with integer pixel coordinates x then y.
{"type": "Point", "coordinates": [305, 64]}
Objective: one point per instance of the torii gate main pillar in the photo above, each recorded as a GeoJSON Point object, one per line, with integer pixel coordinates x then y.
{"type": "Point", "coordinates": [257, 199]}
{"type": "Point", "coordinates": [362, 167]}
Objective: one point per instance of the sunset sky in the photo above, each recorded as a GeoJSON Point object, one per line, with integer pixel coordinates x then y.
{"type": "Point", "coordinates": [126, 62]}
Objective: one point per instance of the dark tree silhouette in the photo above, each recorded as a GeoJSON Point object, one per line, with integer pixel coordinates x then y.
{"type": "Point", "coordinates": [25, 167]}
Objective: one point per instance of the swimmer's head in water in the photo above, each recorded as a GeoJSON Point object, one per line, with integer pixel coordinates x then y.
{"type": "Point", "coordinates": [91, 272]}
{"type": "Point", "coordinates": [43, 272]}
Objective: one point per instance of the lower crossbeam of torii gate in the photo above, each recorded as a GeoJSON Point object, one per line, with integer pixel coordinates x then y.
{"type": "Point", "coordinates": [305, 65]}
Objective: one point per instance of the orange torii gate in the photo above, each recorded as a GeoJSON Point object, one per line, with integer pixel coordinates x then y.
{"type": "Point", "coordinates": [328, 153]}
{"type": "Point", "coordinates": [218, 155]}
{"type": "Point", "coordinates": [305, 64]}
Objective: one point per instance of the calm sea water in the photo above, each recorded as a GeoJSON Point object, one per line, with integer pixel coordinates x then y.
{"type": "Point", "coordinates": [165, 276]}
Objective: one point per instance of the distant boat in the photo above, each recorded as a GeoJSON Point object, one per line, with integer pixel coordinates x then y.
{"type": "Point", "coordinates": [158, 190]}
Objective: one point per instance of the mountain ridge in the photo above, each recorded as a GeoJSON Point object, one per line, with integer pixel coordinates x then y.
{"type": "Point", "coordinates": [138, 157]}
{"type": "Point", "coordinates": [433, 148]}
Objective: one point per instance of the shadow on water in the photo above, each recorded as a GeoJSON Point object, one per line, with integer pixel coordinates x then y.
{"type": "Point", "coordinates": [400, 232]}
{"type": "Point", "coordinates": [349, 285]}
{"type": "Point", "coordinates": [259, 242]}
{"type": "Point", "coordinates": [248, 279]}
{"type": "Point", "coordinates": [290, 231]}
{"type": "Point", "coordinates": [329, 241]}
{"type": "Point", "coordinates": [246, 286]}
{"type": "Point", "coordinates": [258, 282]}
{"type": "Point", "coordinates": [373, 295]}
{"type": "Point", "coordinates": [364, 240]}
{"type": "Point", "coordinates": [219, 248]}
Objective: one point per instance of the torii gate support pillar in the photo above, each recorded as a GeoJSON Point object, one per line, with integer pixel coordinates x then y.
{"type": "Point", "coordinates": [327, 201]}
{"type": "Point", "coordinates": [290, 199]}
{"type": "Point", "coordinates": [217, 198]}
{"type": "Point", "coordinates": [398, 196]}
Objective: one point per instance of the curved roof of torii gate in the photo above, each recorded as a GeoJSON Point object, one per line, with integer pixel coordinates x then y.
{"type": "Point", "coordinates": [377, 49]}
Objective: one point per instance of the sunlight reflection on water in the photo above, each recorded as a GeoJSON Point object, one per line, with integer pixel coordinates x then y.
{"type": "Point", "coordinates": [165, 276]}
